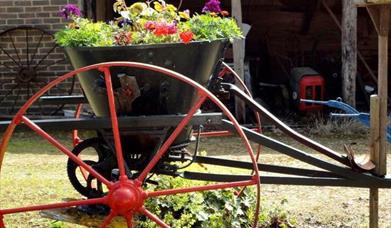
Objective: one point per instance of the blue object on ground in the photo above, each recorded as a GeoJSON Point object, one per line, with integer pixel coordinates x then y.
{"type": "Point", "coordinates": [350, 112]}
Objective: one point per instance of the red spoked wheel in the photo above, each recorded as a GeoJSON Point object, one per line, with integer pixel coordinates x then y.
{"type": "Point", "coordinates": [126, 197]}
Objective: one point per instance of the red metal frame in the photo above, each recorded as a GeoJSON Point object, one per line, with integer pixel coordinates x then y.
{"type": "Point", "coordinates": [126, 197]}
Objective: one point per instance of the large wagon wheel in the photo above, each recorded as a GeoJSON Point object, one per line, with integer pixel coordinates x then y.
{"type": "Point", "coordinates": [27, 58]}
{"type": "Point", "coordinates": [126, 197]}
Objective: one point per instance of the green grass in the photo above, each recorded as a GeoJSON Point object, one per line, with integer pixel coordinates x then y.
{"type": "Point", "coordinates": [34, 173]}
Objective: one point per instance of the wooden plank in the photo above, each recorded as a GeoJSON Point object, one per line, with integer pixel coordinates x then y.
{"type": "Point", "coordinates": [349, 51]}
{"type": "Point", "coordinates": [383, 85]}
{"type": "Point", "coordinates": [374, 137]}
{"type": "Point", "coordinates": [238, 53]}
{"type": "Point", "coordinates": [374, 153]}
{"type": "Point", "coordinates": [364, 3]}
{"type": "Point", "coordinates": [374, 12]}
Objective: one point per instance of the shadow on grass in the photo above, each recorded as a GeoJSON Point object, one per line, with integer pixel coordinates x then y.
{"type": "Point", "coordinates": [28, 142]}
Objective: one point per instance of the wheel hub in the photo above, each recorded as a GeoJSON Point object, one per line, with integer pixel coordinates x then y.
{"type": "Point", "coordinates": [26, 74]}
{"type": "Point", "coordinates": [126, 197]}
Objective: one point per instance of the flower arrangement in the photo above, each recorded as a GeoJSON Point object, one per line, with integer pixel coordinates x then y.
{"type": "Point", "coordinates": [149, 22]}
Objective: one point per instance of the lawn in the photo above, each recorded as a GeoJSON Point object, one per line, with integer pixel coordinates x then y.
{"type": "Point", "coordinates": [35, 173]}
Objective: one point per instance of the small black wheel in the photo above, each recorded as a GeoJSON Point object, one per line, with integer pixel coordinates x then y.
{"type": "Point", "coordinates": [95, 153]}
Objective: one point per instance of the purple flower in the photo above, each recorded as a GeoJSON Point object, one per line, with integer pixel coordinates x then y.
{"type": "Point", "coordinates": [70, 10]}
{"type": "Point", "coordinates": [212, 6]}
{"type": "Point", "coordinates": [124, 22]}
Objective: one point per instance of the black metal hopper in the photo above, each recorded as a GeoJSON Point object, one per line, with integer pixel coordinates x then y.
{"type": "Point", "coordinates": [151, 93]}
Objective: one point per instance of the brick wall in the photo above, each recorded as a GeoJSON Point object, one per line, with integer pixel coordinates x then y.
{"type": "Point", "coordinates": [30, 52]}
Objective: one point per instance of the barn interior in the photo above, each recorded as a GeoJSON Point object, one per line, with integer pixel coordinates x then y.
{"type": "Point", "coordinates": [290, 39]}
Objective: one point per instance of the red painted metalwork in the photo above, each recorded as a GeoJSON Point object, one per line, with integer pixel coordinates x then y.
{"type": "Point", "coordinates": [154, 218]}
{"type": "Point", "coordinates": [114, 123]}
{"type": "Point", "coordinates": [69, 153]}
{"type": "Point", "coordinates": [201, 188]}
{"type": "Point", "coordinates": [75, 133]}
{"type": "Point", "coordinates": [171, 139]}
{"type": "Point", "coordinates": [126, 197]}
{"type": "Point", "coordinates": [53, 206]}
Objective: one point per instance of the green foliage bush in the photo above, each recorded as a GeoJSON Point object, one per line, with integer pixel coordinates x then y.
{"type": "Point", "coordinates": [214, 209]}
{"type": "Point", "coordinates": [207, 27]}
{"type": "Point", "coordinates": [87, 33]}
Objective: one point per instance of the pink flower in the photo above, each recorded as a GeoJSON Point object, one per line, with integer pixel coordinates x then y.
{"type": "Point", "coordinates": [150, 25]}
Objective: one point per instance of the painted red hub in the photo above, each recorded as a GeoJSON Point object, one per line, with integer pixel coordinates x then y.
{"type": "Point", "coordinates": [126, 197]}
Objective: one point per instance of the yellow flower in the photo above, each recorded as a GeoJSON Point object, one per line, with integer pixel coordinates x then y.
{"type": "Point", "coordinates": [137, 8]}
{"type": "Point", "coordinates": [171, 8]}
{"type": "Point", "coordinates": [158, 7]}
{"type": "Point", "coordinates": [185, 15]}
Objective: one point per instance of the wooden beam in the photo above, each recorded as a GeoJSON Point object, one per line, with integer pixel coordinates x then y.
{"type": "Point", "coordinates": [364, 3]}
{"type": "Point", "coordinates": [239, 54]}
{"type": "Point", "coordinates": [349, 51]}
{"type": "Point", "coordinates": [309, 14]}
{"type": "Point", "coordinates": [374, 12]}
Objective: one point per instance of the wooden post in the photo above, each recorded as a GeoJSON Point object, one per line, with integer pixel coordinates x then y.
{"type": "Point", "coordinates": [349, 51]}
{"type": "Point", "coordinates": [374, 143]}
{"type": "Point", "coordinates": [380, 15]}
{"type": "Point", "coordinates": [238, 53]}
{"type": "Point", "coordinates": [373, 208]}
{"type": "Point", "coordinates": [384, 20]}
{"type": "Point", "coordinates": [374, 135]}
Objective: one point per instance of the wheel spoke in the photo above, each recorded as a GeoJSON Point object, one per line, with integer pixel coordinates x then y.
{"type": "Point", "coordinates": [108, 219]}
{"type": "Point", "coordinates": [53, 206]}
{"type": "Point", "coordinates": [27, 48]}
{"type": "Point", "coordinates": [12, 69]}
{"type": "Point", "coordinates": [16, 50]}
{"type": "Point", "coordinates": [16, 99]}
{"type": "Point", "coordinates": [114, 123]}
{"type": "Point", "coordinates": [9, 92]}
{"type": "Point", "coordinates": [172, 137]}
{"type": "Point", "coordinates": [202, 188]}
{"type": "Point", "coordinates": [129, 220]}
{"type": "Point", "coordinates": [43, 58]}
{"type": "Point", "coordinates": [36, 48]}
{"type": "Point", "coordinates": [62, 148]}
{"type": "Point", "coordinates": [153, 217]}
{"type": "Point", "coordinates": [9, 56]}
{"type": "Point", "coordinates": [50, 64]}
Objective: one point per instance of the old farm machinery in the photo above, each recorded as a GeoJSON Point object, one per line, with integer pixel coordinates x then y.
{"type": "Point", "coordinates": [144, 116]}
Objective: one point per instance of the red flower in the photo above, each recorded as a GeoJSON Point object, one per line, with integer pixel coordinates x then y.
{"type": "Point", "coordinates": [163, 29]}
{"type": "Point", "coordinates": [186, 37]}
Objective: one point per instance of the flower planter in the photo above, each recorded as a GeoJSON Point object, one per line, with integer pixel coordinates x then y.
{"type": "Point", "coordinates": [153, 93]}
{"type": "Point", "coordinates": [158, 95]}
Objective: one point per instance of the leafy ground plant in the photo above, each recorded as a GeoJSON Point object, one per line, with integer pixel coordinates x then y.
{"type": "Point", "coordinates": [215, 209]}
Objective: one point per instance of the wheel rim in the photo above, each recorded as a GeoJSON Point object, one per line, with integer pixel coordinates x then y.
{"type": "Point", "coordinates": [26, 55]}
{"type": "Point", "coordinates": [126, 197]}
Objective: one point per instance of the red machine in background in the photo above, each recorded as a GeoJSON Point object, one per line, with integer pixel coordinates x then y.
{"type": "Point", "coordinates": [306, 83]}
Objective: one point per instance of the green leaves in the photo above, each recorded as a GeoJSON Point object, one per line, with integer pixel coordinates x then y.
{"type": "Point", "coordinates": [87, 33]}
{"type": "Point", "coordinates": [209, 27]}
